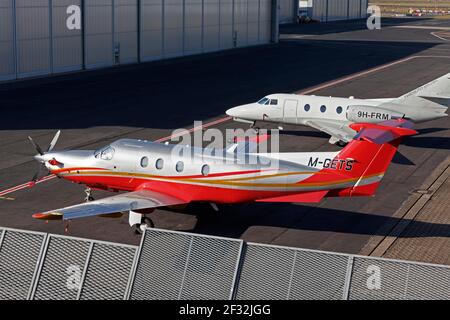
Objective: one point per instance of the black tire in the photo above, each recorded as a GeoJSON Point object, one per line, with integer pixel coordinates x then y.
{"type": "Point", "coordinates": [341, 143]}
{"type": "Point", "coordinates": [137, 229]}
{"type": "Point", "coordinates": [147, 221]}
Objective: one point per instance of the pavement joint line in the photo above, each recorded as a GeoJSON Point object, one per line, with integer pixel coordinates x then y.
{"type": "Point", "coordinates": [412, 210]}
{"type": "Point", "coordinates": [436, 34]}
{"type": "Point", "coordinates": [421, 27]}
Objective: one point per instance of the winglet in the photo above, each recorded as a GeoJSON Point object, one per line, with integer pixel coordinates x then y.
{"type": "Point", "coordinates": [48, 216]}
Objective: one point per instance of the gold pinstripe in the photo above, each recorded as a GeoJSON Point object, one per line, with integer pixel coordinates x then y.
{"type": "Point", "coordinates": [228, 182]}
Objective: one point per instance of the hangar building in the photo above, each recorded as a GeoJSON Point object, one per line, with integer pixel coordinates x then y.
{"type": "Point", "coordinates": [43, 37]}
{"type": "Point", "coordinates": [322, 10]}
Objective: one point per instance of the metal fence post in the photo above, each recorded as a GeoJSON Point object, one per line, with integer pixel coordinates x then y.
{"type": "Point", "coordinates": [291, 277]}
{"type": "Point", "coordinates": [39, 265]}
{"type": "Point", "coordinates": [2, 236]}
{"type": "Point", "coordinates": [237, 271]}
{"type": "Point", "coordinates": [348, 278]}
{"type": "Point", "coordinates": [133, 270]}
{"type": "Point", "coordinates": [86, 266]}
{"type": "Point", "coordinates": [185, 267]}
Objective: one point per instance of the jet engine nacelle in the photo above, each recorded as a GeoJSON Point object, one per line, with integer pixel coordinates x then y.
{"type": "Point", "coordinates": [370, 114]}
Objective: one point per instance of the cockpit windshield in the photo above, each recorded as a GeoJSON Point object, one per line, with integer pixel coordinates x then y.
{"type": "Point", "coordinates": [264, 101]}
{"type": "Point", "coordinates": [105, 153]}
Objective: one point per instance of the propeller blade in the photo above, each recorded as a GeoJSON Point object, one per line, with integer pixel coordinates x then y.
{"type": "Point", "coordinates": [54, 140]}
{"type": "Point", "coordinates": [36, 146]}
{"type": "Point", "coordinates": [39, 173]}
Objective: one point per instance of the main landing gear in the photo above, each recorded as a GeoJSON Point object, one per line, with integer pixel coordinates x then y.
{"type": "Point", "coordinates": [341, 143]}
{"type": "Point", "coordinates": [139, 222]}
{"type": "Point", "coordinates": [89, 196]}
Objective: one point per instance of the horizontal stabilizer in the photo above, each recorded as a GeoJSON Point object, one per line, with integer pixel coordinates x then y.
{"type": "Point", "coordinates": [306, 197]}
{"type": "Point", "coordinates": [383, 132]}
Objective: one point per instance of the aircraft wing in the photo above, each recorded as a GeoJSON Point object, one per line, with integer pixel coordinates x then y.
{"type": "Point", "coordinates": [136, 200]}
{"type": "Point", "coordinates": [336, 129]}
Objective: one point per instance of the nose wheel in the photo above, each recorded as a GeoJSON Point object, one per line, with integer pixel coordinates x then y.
{"type": "Point", "coordinates": [254, 127]}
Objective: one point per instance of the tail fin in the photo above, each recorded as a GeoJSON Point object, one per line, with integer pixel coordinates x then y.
{"type": "Point", "coordinates": [433, 97]}
{"type": "Point", "coordinates": [371, 152]}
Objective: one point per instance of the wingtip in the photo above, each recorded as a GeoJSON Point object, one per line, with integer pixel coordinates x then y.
{"type": "Point", "coordinates": [48, 216]}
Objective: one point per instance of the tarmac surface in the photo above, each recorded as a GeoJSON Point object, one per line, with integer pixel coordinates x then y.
{"type": "Point", "coordinates": [148, 101]}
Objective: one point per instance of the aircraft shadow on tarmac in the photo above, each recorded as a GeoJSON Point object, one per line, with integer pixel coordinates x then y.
{"type": "Point", "coordinates": [428, 142]}
{"type": "Point", "coordinates": [235, 220]}
{"type": "Point", "coordinates": [311, 133]}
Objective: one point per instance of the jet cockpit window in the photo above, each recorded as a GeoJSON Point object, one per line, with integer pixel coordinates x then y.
{"type": "Point", "coordinates": [264, 101]}
{"type": "Point", "coordinates": [106, 153]}
{"type": "Point", "coordinates": [274, 102]}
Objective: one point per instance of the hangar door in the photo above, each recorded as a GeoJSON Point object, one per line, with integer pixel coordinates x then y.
{"type": "Point", "coordinates": [67, 44]}
{"type": "Point", "coordinates": [7, 47]}
{"type": "Point", "coordinates": [33, 39]}
{"type": "Point", "coordinates": [287, 10]}
{"type": "Point", "coordinates": [110, 32]}
{"type": "Point", "coordinates": [252, 22]}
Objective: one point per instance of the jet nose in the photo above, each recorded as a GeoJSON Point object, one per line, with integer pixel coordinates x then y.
{"type": "Point", "coordinates": [243, 111]}
{"type": "Point", "coordinates": [232, 112]}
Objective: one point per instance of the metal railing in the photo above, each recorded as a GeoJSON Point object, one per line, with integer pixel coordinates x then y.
{"type": "Point", "coordinates": [179, 265]}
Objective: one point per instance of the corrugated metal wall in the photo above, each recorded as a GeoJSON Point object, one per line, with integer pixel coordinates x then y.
{"type": "Point", "coordinates": [7, 45]}
{"type": "Point", "coordinates": [334, 10]}
{"type": "Point", "coordinates": [67, 44]}
{"type": "Point", "coordinates": [35, 39]}
{"type": "Point", "coordinates": [287, 10]}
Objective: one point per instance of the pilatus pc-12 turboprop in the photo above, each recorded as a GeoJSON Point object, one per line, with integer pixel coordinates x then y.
{"type": "Point", "coordinates": [153, 177]}
{"type": "Point", "coordinates": [334, 115]}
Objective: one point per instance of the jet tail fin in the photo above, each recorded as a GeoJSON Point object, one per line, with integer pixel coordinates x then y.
{"type": "Point", "coordinates": [435, 94]}
{"type": "Point", "coordinates": [371, 153]}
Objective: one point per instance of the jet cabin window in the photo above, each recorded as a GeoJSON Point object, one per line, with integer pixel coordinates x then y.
{"type": "Point", "coordinates": [106, 153]}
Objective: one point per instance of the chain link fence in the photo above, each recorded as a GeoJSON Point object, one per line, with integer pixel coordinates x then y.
{"type": "Point", "coordinates": [178, 265]}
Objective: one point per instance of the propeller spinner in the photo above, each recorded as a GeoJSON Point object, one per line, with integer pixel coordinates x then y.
{"type": "Point", "coordinates": [39, 157]}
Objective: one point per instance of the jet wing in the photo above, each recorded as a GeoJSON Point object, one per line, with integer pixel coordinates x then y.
{"type": "Point", "coordinates": [136, 200]}
{"type": "Point", "coordinates": [336, 129]}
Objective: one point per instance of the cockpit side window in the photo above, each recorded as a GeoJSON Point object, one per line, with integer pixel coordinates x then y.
{"type": "Point", "coordinates": [264, 101]}
{"type": "Point", "coordinates": [106, 153]}
{"type": "Point", "coordinates": [274, 102]}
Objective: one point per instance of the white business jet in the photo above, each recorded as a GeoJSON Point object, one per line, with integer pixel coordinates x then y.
{"type": "Point", "coordinates": [334, 115]}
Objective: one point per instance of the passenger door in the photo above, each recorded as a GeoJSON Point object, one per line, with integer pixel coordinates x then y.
{"type": "Point", "coordinates": [290, 111]}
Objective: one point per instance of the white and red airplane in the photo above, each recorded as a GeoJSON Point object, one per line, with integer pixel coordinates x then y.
{"type": "Point", "coordinates": [153, 177]}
